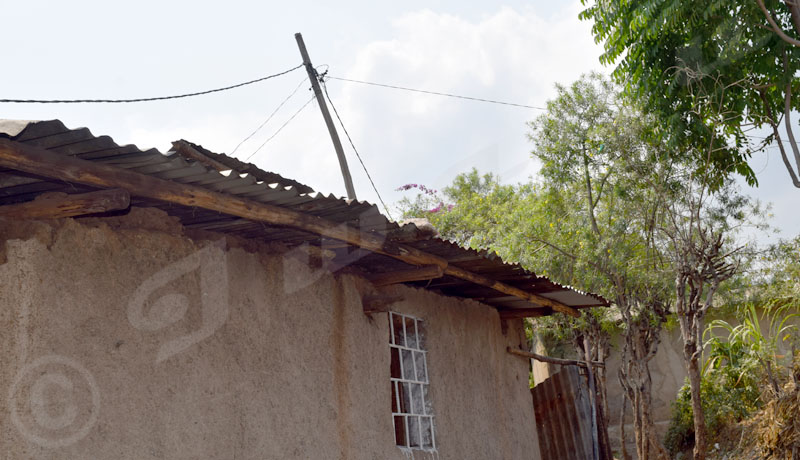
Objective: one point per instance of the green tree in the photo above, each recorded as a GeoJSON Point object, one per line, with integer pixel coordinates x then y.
{"type": "Point", "coordinates": [710, 70]}
{"type": "Point", "coordinates": [699, 236]}
{"type": "Point", "coordinates": [591, 221]}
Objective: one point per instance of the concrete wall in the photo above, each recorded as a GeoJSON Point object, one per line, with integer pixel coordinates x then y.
{"type": "Point", "coordinates": [123, 338]}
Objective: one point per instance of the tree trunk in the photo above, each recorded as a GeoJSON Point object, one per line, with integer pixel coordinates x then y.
{"type": "Point", "coordinates": [622, 440]}
{"type": "Point", "coordinates": [642, 337]}
{"type": "Point", "coordinates": [697, 407]}
{"type": "Point", "coordinates": [690, 318]}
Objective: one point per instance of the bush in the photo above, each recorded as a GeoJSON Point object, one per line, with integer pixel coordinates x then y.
{"type": "Point", "coordinates": [728, 390]}
{"type": "Point", "coordinates": [722, 405]}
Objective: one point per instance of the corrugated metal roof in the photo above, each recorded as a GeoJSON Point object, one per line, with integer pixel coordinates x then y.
{"type": "Point", "coordinates": [247, 181]}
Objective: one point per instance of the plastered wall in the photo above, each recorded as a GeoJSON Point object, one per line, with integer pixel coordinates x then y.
{"type": "Point", "coordinates": [123, 338]}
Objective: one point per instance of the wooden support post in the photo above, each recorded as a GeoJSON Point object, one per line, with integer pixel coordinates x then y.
{"type": "Point", "coordinates": [59, 205]}
{"type": "Point", "coordinates": [417, 274]}
{"type": "Point", "coordinates": [547, 359]}
{"type": "Point", "coordinates": [337, 144]}
{"type": "Point", "coordinates": [41, 162]}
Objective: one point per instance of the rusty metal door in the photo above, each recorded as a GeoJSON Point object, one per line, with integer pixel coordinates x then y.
{"type": "Point", "coordinates": [564, 417]}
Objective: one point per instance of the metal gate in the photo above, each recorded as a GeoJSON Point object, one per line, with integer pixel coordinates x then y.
{"type": "Point", "coordinates": [564, 417]}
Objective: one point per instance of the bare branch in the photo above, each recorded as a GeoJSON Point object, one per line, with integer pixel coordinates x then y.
{"type": "Point", "coordinates": [775, 27]}
{"type": "Point", "coordinates": [777, 135]}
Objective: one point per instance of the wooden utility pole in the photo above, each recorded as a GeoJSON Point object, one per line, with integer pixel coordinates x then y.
{"type": "Point", "coordinates": [337, 144]}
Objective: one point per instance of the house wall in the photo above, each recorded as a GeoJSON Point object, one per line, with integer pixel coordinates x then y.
{"type": "Point", "coordinates": [124, 338]}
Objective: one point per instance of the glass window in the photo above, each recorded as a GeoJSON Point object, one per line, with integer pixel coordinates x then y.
{"type": "Point", "coordinates": [411, 408]}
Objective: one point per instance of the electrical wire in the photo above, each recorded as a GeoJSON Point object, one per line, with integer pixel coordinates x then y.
{"type": "Point", "coordinates": [145, 99]}
{"type": "Point", "coordinates": [438, 93]}
{"type": "Point", "coordinates": [328, 97]}
{"type": "Point", "coordinates": [269, 117]}
{"type": "Point", "coordinates": [282, 126]}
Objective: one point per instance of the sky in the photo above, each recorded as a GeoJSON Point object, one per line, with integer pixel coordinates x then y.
{"type": "Point", "coordinates": [511, 51]}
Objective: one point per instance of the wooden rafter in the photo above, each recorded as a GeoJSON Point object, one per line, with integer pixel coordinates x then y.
{"type": "Point", "coordinates": [548, 359]}
{"type": "Point", "coordinates": [427, 272]}
{"type": "Point", "coordinates": [185, 149]}
{"type": "Point", "coordinates": [41, 162]}
{"type": "Point", "coordinates": [515, 313]}
{"type": "Point", "coordinates": [58, 205]}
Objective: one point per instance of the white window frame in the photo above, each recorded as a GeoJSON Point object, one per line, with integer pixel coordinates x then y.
{"type": "Point", "coordinates": [422, 382]}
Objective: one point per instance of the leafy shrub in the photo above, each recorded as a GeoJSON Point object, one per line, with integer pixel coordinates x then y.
{"type": "Point", "coordinates": [733, 373]}
{"type": "Point", "coordinates": [728, 390]}
{"type": "Point", "coordinates": [722, 405]}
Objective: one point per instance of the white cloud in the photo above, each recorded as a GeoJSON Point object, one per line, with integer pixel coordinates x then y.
{"type": "Point", "coordinates": [513, 55]}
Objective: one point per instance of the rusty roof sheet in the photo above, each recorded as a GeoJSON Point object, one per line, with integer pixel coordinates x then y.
{"type": "Point", "coordinates": [247, 181]}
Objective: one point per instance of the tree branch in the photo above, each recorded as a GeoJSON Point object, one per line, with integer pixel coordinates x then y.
{"type": "Point", "coordinates": [787, 109]}
{"type": "Point", "coordinates": [794, 9]}
{"type": "Point", "coordinates": [775, 27]}
{"type": "Point", "coordinates": [777, 135]}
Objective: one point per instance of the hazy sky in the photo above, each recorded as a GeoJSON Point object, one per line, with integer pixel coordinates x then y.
{"type": "Point", "coordinates": [512, 51]}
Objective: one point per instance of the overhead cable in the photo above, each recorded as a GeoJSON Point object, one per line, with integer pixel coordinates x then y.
{"type": "Point", "coordinates": [436, 93]}
{"type": "Point", "coordinates": [144, 99]}
{"type": "Point", "coordinates": [336, 112]}
{"type": "Point", "coordinates": [281, 128]}
{"type": "Point", "coordinates": [270, 116]}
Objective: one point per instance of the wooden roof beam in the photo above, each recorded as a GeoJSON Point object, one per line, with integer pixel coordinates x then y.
{"type": "Point", "coordinates": [427, 272]}
{"type": "Point", "coordinates": [511, 290]}
{"type": "Point", "coordinates": [516, 313]}
{"type": "Point", "coordinates": [58, 205]}
{"type": "Point", "coordinates": [41, 162]}
{"type": "Point", "coordinates": [183, 148]}
{"type": "Point", "coordinates": [548, 359]}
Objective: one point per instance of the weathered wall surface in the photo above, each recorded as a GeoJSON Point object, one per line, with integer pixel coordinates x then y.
{"type": "Point", "coordinates": [132, 343]}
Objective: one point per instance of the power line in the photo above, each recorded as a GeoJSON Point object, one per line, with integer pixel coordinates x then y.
{"type": "Point", "coordinates": [270, 116]}
{"type": "Point", "coordinates": [439, 94]}
{"type": "Point", "coordinates": [279, 129]}
{"type": "Point", "coordinates": [328, 97]}
{"type": "Point", "coordinates": [145, 99]}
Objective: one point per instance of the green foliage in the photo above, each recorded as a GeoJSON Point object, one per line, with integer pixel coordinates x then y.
{"type": "Point", "coordinates": [758, 345]}
{"type": "Point", "coordinates": [777, 282]}
{"type": "Point", "coordinates": [591, 220]}
{"type": "Point", "coordinates": [734, 372]}
{"type": "Point", "coordinates": [709, 70]}
{"type": "Point", "coordinates": [722, 405]}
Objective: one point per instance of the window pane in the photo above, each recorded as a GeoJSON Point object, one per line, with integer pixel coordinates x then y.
{"type": "Point", "coordinates": [427, 432]}
{"type": "Point", "coordinates": [405, 397]}
{"type": "Point", "coordinates": [419, 363]}
{"type": "Point", "coordinates": [413, 431]}
{"type": "Point", "coordinates": [397, 325]}
{"type": "Point", "coordinates": [400, 431]}
{"type": "Point", "coordinates": [411, 333]}
{"type": "Point", "coordinates": [394, 397]}
{"type": "Point", "coordinates": [427, 399]}
{"type": "Point", "coordinates": [395, 371]}
{"type": "Point", "coordinates": [421, 334]}
{"type": "Point", "coordinates": [416, 399]}
{"type": "Point", "coordinates": [408, 365]}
